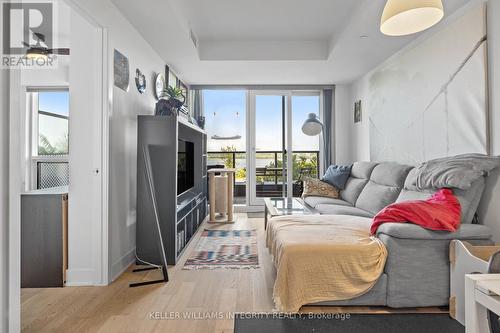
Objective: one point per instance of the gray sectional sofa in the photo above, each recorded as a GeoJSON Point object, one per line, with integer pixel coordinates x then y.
{"type": "Point", "coordinates": [416, 273]}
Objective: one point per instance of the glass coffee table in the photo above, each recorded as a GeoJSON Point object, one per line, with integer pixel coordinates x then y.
{"type": "Point", "coordinates": [286, 206]}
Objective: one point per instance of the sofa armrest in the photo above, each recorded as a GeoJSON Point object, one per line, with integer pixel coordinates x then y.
{"type": "Point", "coordinates": [413, 231]}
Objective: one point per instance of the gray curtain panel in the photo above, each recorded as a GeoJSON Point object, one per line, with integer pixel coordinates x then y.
{"type": "Point", "coordinates": [328, 96]}
{"type": "Point", "coordinates": [197, 104]}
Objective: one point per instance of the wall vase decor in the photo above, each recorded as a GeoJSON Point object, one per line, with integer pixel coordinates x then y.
{"type": "Point", "coordinates": [160, 86]}
{"type": "Point", "coordinates": [140, 81]}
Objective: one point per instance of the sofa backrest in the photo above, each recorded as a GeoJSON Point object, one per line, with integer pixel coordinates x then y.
{"type": "Point", "coordinates": [386, 182]}
{"type": "Point", "coordinates": [360, 174]}
{"type": "Point", "coordinates": [469, 199]}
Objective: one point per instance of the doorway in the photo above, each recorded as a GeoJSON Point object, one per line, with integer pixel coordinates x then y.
{"type": "Point", "coordinates": [280, 155]}
{"type": "Point", "coordinates": [79, 161]}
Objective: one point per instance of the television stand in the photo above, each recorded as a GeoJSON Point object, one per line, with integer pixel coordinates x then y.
{"type": "Point", "coordinates": [177, 153]}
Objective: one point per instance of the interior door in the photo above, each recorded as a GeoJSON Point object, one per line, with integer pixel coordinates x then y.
{"type": "Point", "coordinates": [268, 161]}
{"type": "Point", "coordinates": [85, 154]}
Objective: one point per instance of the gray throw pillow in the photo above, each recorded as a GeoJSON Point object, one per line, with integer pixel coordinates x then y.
{"type": "Point", "coordinates": [337, 175]}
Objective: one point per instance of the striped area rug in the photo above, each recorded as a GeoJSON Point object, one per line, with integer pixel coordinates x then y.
{"type": "Point", "coordinates": [221, 249]}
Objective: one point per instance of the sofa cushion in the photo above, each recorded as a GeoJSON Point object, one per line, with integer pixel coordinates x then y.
{"type": "Point", "coordinates": [337, 175]}
{"type": "Point", "coordinates": [362, 169]}
{"type": "Point", "coordinates": [469, 199]}
{"type": "Point", "coordinates": [319, 188]}
{"type": "Point", "coordinates": [384, 186]}
{"type": "Point", "coordinates": [390, 174]}
{"type": "Point", "coordinates": [360, 174]}
{"type": "Point", "coordinates": [314, 201]}
{"type": "Point", "coordinates": [341, 210]}
{"type": "Point", "coordinates": [375, 197]}
{"type": "Point", "coordinates": [353, 188]}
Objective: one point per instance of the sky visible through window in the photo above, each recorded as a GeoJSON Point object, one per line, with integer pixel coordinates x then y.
{"type": "Point", "coordinates": [225, 112]}
{"type": "Point", "coordinates": [53, 130]}
{"type": "Point", "coordinates": [54, 102]}
{"type": "Point", "coordinates": [225, 116]}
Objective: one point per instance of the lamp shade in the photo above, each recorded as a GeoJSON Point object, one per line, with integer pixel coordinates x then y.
{"type": "Point", "coordinates": [405, 17]}
{"type": "Point", "coordinates": [312, 126]}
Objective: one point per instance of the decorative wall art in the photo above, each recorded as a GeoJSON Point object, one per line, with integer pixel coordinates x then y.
{"type": "Point", "coordinates": [160, 86]}
{"type": "Point", "coordinates": [357, 111]}
{"type": "Point", "coordinates": [431, 100]}
{"type": "Point", "coordinates": [140, 81]}
{"type": "Point", "coordinates": [172, 80]}
{"type": "Point", "coordinates": [121, 71]}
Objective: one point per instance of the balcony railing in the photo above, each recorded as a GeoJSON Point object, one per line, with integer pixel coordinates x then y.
{"type": "Point", "coordinates": [269, 170]}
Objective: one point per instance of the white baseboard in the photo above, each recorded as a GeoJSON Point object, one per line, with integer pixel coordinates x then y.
{"type": "Point", "coordinates": [121, 265]}
{"type": "Point", "coordinates": [80, 277]}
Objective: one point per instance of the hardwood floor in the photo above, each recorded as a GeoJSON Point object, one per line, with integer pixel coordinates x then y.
{"type": "Point", "coordinates": [193, 300]}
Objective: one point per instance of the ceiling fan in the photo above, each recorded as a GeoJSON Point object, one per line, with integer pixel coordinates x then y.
{"type": "Point", "coordinates": [40, 51]}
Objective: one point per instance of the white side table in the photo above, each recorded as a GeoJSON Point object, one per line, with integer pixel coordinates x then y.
{"type": "Point", "coordinates": [481, 294]}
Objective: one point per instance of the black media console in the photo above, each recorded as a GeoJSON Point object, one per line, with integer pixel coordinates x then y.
{"type": "Point", "coordinates": [177, 216]}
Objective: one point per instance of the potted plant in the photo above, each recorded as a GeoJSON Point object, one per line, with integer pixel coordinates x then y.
{"type": "Point", "coordinates": [175, 97]}
{"type": "Point", "coordinates": [171, 101]}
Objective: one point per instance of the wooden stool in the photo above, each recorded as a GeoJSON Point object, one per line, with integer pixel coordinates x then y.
{"type": "Point", "coordinates": [221, 208]}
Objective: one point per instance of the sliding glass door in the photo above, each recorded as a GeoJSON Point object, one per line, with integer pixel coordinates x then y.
{"type": "Point", "coordinates": [280, 155]}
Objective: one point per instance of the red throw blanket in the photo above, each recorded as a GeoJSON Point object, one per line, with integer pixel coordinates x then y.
{"type": "Point", "coordinates": [439, 212]}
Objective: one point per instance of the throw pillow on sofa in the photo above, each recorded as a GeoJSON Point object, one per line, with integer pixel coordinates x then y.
{"type": "Point", "coordinates": [337, 175]}
{"type": "Point", "coordinates": [317, 188]}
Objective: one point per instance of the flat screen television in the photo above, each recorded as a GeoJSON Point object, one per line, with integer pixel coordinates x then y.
{"type": "Point", "coordinates": [185, 166]}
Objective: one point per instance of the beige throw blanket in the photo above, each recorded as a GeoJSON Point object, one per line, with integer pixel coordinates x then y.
{"type": "Point", "coordinates": [323, 258]}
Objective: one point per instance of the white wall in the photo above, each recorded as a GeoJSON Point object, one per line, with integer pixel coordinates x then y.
{"type": "Point", "coordinates": [394, 94]}
{"type": "Point", "coordinates": [489, 210]}
{"type": "Point", "coordinates": [125, 106]}
{"type": "Point", "coordinates": [358, 139]}
{"type": "Point", "coordinates": [4, 195]}
{"type": "Point", "coordinates": [352, 139]}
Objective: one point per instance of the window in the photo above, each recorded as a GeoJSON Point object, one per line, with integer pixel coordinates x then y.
{"type": "Point", "coordinates": [225, 114]}
{"type": "Point", "coordinates": [305, 149]}
{"type": "Point", "coordinates": [49, 138]}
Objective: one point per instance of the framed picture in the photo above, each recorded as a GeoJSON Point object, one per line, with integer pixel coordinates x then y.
{"type": "Point", "coordinates": [185, 91]}
{"type": "Point", "coordinates": [172, 80]}
{"type": "Point", "coordinates": [357, 111]}
{"type": "Point", "coordinates": [121, 71]}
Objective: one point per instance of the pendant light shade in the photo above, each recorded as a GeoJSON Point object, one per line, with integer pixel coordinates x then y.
{"type": "Point", "coordinates": [406, 17]}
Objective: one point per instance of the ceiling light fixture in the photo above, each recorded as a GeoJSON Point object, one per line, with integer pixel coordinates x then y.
{"type": "Point", "coordinates": [406, 17]}
{"type": "Point", "coordinates": [37, 54]}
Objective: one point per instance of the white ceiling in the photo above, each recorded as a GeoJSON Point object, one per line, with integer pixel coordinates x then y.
{"type": "Point", "coordinates": [267, 41]}
{"type": "Point", "coordinates": [264, 19]}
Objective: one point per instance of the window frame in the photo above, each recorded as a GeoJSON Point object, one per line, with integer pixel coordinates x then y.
{"type": "Point", "coordinates": [33, 133]}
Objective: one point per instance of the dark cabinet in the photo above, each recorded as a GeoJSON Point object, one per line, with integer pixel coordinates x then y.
{"type": "Point", "coordinates": [44, 238]}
